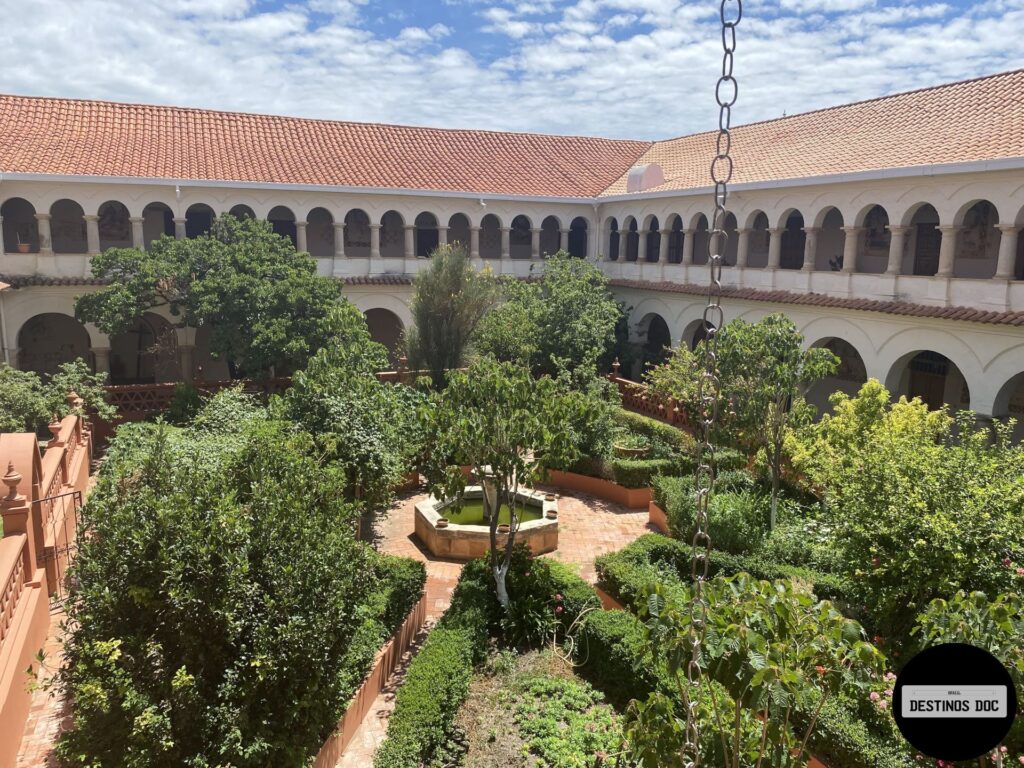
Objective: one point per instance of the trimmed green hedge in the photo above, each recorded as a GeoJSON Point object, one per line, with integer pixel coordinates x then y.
{"type": "Point", "coordinates": [624, 574]}
{"type": "Point", "coordinates": [667, 441]}
{"type": "Point", "coordinates": [639, 473]}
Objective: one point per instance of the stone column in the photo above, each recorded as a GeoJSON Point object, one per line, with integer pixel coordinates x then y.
{"type": "Point", "coordinates": [186, 361]}
{"type": "Point", "coordinates": [102, 357]}
{"type": "Point", "coordinates": [474, 242]}
{"type": "Point", "coordinates": [810, 248]}
{"type": "Point", "coordinates": [138, 233]}
{"type": "Point", "coordinates": [1007, 253]}
{"type": "Point", "coordinates": [641, 247]}
{"type": "Point", "coordinates": [92, 234]}
{"type": "Point", "coordinates": [947, 251]}
{"type": "Point", "coordinates": [688, 246]}
{"type": "Point", "coordinates": [442, 236]}
{"type": "Point", "coordinates": [563, 240]}
{"type": "Point", "coordinates": [666, 234]}
{"type": "Point", "coordinates": [1, 236]}
{"type": "Point", "coordinates": [506, 242]}
{"type": "Point", "coordinates": [742, 248]}
{"type": "Point", "coordinates": [899, 237]}
{"type": "Point", "coordinates": [851, 246]}
{"type": "Point", "coordinates": [375, 241]}
{"type": "Point", "coordinates": [339, 239]}
{"type": "Point", "coordinates": [535, 243]}
{"type": "Point", "coordinates": [774, 247]}
{"type": "Point", "coordinates": [300, 237]}
{"type": "Point", "coordinates": [410, 241]}
{"type": "Point", "coordinates": [179, 229]}
{"type": "Point", "coordinates": [623, 244]}
{"type": "Point", "coordinates": [45, 239]}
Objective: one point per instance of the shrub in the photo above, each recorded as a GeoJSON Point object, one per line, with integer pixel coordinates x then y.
{"type": "Point", "coordinates": [665, 440]}
{"type": "Point", "coordinates": [226, 641]}
{"type": "Point", "coordinates": [230, 410]}
{"type": "Point", "coordinates": [638, 473]}
{"type": "Point", "coordinates": [27, 402]}
{"type": "Point", "coordinates": [737, 520]}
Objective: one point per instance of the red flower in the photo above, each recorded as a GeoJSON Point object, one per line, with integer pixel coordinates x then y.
{"type": "Point", "coordinates": [559, 609]}
{"type": "Point", "coordinates": [820, 670]}
{"type": "Point", "coordinates": [558, 598]}
{"type": "Point", "coordinates": [1007, 562]}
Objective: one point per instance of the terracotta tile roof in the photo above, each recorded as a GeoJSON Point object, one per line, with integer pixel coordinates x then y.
{"type": "Point", "coordinates": [94, 138]}
{"type": "Point", "coordinates": [821, 300]}
{"type": "Point", "coordinates": [27, 281]}
{"type": "Point", "coordinates": [961, 122]}
{"type": "Point", "coordinates": [378, 280]}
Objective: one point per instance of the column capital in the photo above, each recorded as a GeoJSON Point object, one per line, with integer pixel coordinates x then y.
{"type": "Point", "coordinates": [812, 230]}
{"type": "Point", "coordinates": [341, 225]}
{"type": "Point", "coordinates": [176, 219]}
{"type": "Point", "coordinates": [136, 219]}
{"type": "Point", "coordinates": [301, 223]}
{"type": "Point", "coordinates": [774, 230]}
{"type": "Point", "coordinates": [744, 230]}
{"type": "Point", "coordinates": [563, 231]}
{"type": "Point", "coordinates": [407, 227]}
{"type": "Point", "coordinates": [535, 230]}
{"type": "Point", "coordinates": [944, 228]}
{"type": "Point", "coordinates": [46, 217]}
{"type": "Point", "coordinates": [378, 226]}
{"type": "Point", "coordinates": [897, 229]}
{"type": "Point", "coordinates": [506, 229]}
{"type": "Point", "coordinates": [1009, 229]}
{"type": "Point", "coordinates": [475, 228]}
{"type": "Point", "coordinates": [93, 217]}
{"type": "Point", "coordinates": [664, 232]}
{"type": "Point", "coordinates": [852, 230]}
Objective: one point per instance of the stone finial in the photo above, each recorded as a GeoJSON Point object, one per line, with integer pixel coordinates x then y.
{"type": "Point", "coordinates": [403, 363]}
{"type": "Point", "coordinates": [54, 427]}
{"type": "Point", "coordinates": [12, 480]}
{"type": "Point", "coordinates": [73, 399]}
{"type": "Point", "coordinates": [616, 366]}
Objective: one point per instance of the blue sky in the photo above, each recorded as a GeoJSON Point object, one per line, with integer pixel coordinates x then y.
{"type": "Point", "coordinates": [623, 68]}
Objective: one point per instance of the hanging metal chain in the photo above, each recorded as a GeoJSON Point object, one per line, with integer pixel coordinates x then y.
{"type": "Point", "coordinates": [709, 386]}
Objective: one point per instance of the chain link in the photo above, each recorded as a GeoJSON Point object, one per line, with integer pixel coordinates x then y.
{"type": "Point", "coordinates": [709, 385]}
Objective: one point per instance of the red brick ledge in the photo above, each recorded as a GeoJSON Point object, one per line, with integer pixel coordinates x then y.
{"type": "Point", "coordinates": [833, 302]}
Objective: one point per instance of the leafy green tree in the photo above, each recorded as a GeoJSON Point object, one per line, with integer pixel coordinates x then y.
{"type": "Point", "coordinates": [496, 417]}
{"type": "Point", "coordinates": [216, 603]}
{"type": "Point", "coordinates": [922, 505]}
{"type": "Point", "coordinates": [367, 428]}
{"type": "Point", "coordinates": [263, 302]}
{"type": "Point", "coordinates": [775, 650]}
{"type": "Point", "coordinates": [27, 403]}
{"type": "Point", "coordinates": [449, 300]}
{"type": "Point", "coordinates": [765, 373]}
{"type": "Point", "coordinates": [563, 319]}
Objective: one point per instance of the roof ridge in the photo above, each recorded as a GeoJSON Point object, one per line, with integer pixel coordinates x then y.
{"type": "Point", "coordinates": [851, 104]}
{"type": "Point", "coordinates": [318, 120]}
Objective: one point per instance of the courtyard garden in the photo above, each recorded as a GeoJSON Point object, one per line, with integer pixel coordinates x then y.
{"type": "Point", "coordinates": [231, 596]}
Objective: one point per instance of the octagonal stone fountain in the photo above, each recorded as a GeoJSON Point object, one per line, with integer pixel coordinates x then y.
{"type": "Point", "coordinates": [463, 534]}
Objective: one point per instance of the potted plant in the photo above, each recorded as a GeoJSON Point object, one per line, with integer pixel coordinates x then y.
{"type": "Point", "coordinates": [23, 245]}
{"type": "Point", "coordinates": [631, 445]}
{"type": "Point", "coordinates": [442, 522]}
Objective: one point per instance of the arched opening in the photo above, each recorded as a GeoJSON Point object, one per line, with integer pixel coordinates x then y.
{"type": "Point", "coordinates": [392, 235]}
{"type": "Point", "coordinates": [657, 341]}
{"type": "Point", "coordinates": [653, 235]}
{"type": "Point", "coordinates": [208, 367]}
{"type": "Point", "coordinates": [794, 241]}
{"type": "Point", "coordinates": [490, 237]}
{"type": "Point", "coordinates": [550, 236]}
{"type": "Point", "coordinates": [520, 244]}
{"type": "Point", "coordinates": [115, 226]}
{"type": "Point", "coordinates": [427, 237]}
{"type": "Point", "coordinates": [831, 242]}
{"type": "Point", "coordinates": [578, 238]}
{"type": "Point", "coordinates": [386, 328]}
{"type": "Point", "coordinates": [357, 233]}
{"type": "Point", "coordinates": [145, 354]}
{"type": "Point", "coordinates": [701, 237]}
{"type": "Point", "coordinates": [67, 227]}
{"type": "Point", "coordinates": [47, 341]}
{"type": "Point", "coordinates": [157, 221]}
{"type": "Point", "coordinates": [282, 221]}
{"type": "Point", "coordinates": [675, 240]}
{"type": "Point", "coordinates": [873, 249]}
{"type": "Point", "coordinates": [931, 376]}
{"type": "Point", "coordinates": [849, 376]}
{"type": "Point", "coordinates": [758, 245]}
{"type": "Point", "coordinates": [242, 211]}
{"type": "Point", "coordinates": [632, 240]}
{"type": "Point", "coordinates": [458, 231]}
{"type": "Point", "coordinates": [198, 220]}
{"type": "Point", "coordinates": [977, 248]}
{"type": "Point", "coordinates": [21, 230]}
{"type": "Point", "coordinates": [925, 242]}
{"type": "Point", "coordinates": [732, 241]}
{"type": "Point", "coordinates": [1009, 404]}
{"type": "Point", "coordinates": [613, 239]}
{"type": "Point", "coordinates": [698, 332]}
{"type": "Point", "coordinates": [320, 233]}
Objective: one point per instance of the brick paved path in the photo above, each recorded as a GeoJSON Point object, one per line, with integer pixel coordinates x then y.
{"type": "Point", "coordinates": [587, 528]}
{"type": "Point", "coordinates": [48, 715]}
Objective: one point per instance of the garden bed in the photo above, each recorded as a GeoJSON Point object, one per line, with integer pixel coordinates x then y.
{"type": "Point", "coordinates": [631, 498]}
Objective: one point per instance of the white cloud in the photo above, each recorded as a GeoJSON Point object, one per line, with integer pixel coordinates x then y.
{"type": "Point", "coordinates": [630, 68]}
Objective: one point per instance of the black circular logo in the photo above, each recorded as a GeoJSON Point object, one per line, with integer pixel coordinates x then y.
{"type": "Point", "coordinates": [954, 702]}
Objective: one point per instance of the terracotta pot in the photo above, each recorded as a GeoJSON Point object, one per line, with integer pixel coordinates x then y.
{"type": "Point", "coordinates": [504, 528]}
{"type": "Point", "coordinates": [549, 497]}
{"type": "Point", "coordinates": [630, 453]}
{"type": "Point", "coordinates": [24, 247]}
{"type": "Point", "coordinates": [551, 514]}
{"type": "Point", "coordinates": [442, 522]}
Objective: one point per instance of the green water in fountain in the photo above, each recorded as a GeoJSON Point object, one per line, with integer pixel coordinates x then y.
{"type": "Point", "coordinates": [472, 513]}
